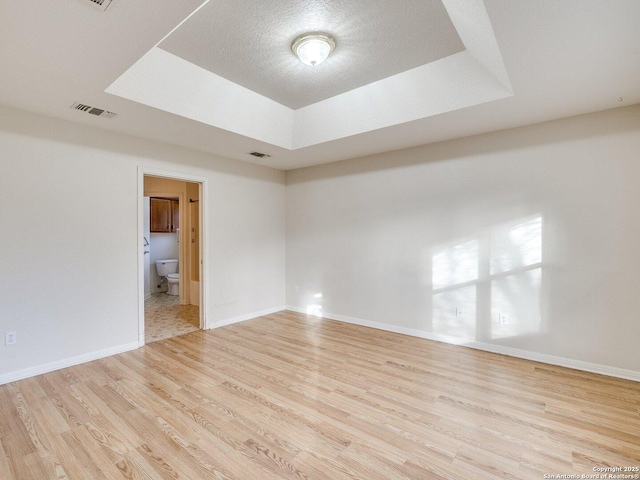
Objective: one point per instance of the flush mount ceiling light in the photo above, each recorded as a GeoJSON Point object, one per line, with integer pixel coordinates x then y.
{"type": "Point", "coordinates": [313, 48]}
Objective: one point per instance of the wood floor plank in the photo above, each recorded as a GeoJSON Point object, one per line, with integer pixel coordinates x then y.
{"type": "Point", "coordinates": [5, 467]}
{"type": "Point", "coordinates": [84, 459]}
{"type": "Point", "coordinates": [36, 468]}
{"type": "Point", "coordinates": [163, 455]}
{"type": "Point", "coordinates": [291, 396]}
{"type": "Point", "coordinates": [16, 445]}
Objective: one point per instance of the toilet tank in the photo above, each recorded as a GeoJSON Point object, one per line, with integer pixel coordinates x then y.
{"type": "Point", "coordinates": [165, 267]}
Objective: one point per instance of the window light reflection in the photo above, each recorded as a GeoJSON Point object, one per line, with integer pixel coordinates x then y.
{"type": "Point", "coordinates": [454, 265]}
{"type": "Point", "coordinates": [315, 308]}
{"type": "Point", "coordinates": [493, 294]}
{"type": "Point", "coordinates": [518, 246]}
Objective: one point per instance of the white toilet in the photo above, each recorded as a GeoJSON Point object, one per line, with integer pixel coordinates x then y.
{"type": "Point", "coordinates": [168, 269]}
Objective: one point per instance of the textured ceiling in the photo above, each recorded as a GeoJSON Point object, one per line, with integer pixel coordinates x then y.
{"type": "Point", "coordinates": [524, 62]}
{"type": "Point", "coordinates": [470, 77]}
{"type": "Point", "coordinates": [248, 43]}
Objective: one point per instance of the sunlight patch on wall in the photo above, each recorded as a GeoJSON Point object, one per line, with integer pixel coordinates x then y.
{"type": "Point", "coordinates": [515, 304]}
{"type": "Point", "coordinates": [489, 287]}
{"type": "Point", "coordinates": [516, 270]}
{"type": "Point", "coordinates": [315, 309]}
{"type": "Point", "coordinates": [454, 313]}
{"type": "Point", "coordinates": [455, 265]}
{"type": "Point", "coordinates": [454, 271]}
{"type": "Point", "coordinates": [518, 246]}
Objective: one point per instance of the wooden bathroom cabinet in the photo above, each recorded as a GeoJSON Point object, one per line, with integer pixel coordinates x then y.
{"type": "Point", "coordinates": [165, 215]}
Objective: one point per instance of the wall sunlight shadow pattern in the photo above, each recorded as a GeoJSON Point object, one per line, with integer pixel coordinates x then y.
{"type": "Point", "coordinates": [315, 309]}
{"type": "Point", "coordinates": [489, 287]}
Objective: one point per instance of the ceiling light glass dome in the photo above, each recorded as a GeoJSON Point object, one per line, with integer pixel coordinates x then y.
{"type": "Point", "coordinates": [313, 48]}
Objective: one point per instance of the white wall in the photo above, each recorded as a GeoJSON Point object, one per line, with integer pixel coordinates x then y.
{"type": "Point", "coordinates": [69, 248]}
{"type": "Point", "coordinates": [366, 234]}
{"type": "Point", "coordinates": [541, 224]}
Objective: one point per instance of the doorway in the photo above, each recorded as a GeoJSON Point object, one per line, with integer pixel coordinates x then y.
{"type": "Point", "coordinates": [171, 279]}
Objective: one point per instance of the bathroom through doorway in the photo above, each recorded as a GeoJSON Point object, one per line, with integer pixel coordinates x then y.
{"type": "Point", "coordinates": [172, 257]}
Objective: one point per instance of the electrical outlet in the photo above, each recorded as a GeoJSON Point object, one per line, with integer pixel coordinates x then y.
{"type": "Point", "coordinates": [10, 338]}
{"type": "Point", "coordinates": [459, 312]}
{"type": "Point", "coordinates": [297, 289]}
{"type": "Point", "coordinates": [503, 319]}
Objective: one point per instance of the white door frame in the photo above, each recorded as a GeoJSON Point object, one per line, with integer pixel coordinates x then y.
{"type": "Point", "coordinates": [203, 235]}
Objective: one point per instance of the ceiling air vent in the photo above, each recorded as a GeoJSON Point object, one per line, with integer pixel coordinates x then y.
{"type": "Point", "coordinates": [259, 154]}
{"type": "Point", "coordinates": [98, 112]}
{"type": "Point", "coordinates": [101, 4]}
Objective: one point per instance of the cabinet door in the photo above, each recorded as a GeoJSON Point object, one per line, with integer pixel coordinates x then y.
{"type": "Point", "coordinates": [160, 215]}
{"type": "Point", "coordinates": [175, 215]}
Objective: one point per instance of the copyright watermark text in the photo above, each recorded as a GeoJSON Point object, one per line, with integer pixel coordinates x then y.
{"type": "Point", "coordinates": [600, 473]}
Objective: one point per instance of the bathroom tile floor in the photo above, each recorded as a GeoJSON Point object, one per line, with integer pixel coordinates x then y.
{"type": "Point", "coordinates": [164, 317]}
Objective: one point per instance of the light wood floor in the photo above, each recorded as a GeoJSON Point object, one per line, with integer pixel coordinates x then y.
{"type": "Point", "coordinates": [286, 396]}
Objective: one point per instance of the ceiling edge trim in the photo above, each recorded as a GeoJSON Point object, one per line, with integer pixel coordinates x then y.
{"type": "Point", "coordinates": [477, 75]}
{"type": "Point", "coordinates": [471, 21]}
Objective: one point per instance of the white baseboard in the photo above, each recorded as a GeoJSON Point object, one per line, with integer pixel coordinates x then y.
{"type": "Point", "coordinates": [513, 352]}
{"type": "Point", "coordinates": [487, 347]}
{"type": "Point", "coordinates": [68, 362]}
{"type": "Point", "coordinates": [559, 361]}
{"type": "Point", "coordinates": [248, 316]}
{"type": "Point", "coordinates": [87, 357]}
